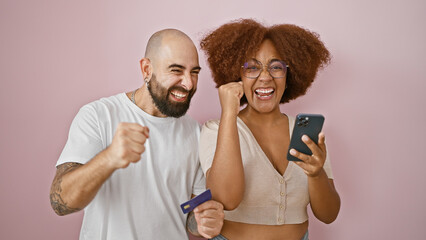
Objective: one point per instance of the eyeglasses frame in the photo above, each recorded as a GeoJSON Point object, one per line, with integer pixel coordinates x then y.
{"type": "Point", "coordinates": [263, 67]}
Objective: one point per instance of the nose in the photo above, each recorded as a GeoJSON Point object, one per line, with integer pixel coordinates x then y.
{"type": "Point", "coordinates": [187, 81]}
{"type": "Point", "coordinates": [264, 74]}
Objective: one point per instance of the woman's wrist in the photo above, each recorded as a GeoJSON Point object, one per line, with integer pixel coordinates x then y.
{"type": "Point", "coordinates": [320, 174]}
{"type": "Point", "coordinates": [228, 115]}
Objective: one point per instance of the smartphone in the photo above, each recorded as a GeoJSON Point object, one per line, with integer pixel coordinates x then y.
{"type": "Point", "coordinates": [304, 124]}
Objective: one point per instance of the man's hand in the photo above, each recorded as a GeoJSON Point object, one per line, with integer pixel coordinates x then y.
{"type": "Point", "coordinates": [75, 185]}
{"type": "Point", "coordinates": [209, 216]}
{"type": "Point", "coordinates": [127, 145]}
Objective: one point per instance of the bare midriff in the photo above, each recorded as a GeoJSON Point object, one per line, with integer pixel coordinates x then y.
{"type": "Point", "coordinates": [236, 231]}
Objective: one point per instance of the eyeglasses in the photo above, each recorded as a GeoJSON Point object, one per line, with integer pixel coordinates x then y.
{"type": "Point", "coordinates": [253, 68]}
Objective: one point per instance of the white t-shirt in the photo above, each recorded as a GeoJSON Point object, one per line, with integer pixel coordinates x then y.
{"type": "Point", "coordinates": [143, 200]}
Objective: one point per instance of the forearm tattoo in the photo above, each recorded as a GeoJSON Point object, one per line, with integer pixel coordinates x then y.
{"type": "Point", "coordinates": [56, 200]}
{"type": "Point", "coordinates": [191, 224]}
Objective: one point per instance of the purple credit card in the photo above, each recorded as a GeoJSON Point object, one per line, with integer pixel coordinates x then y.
{"type": "Point", "coordinates": [193, 203]}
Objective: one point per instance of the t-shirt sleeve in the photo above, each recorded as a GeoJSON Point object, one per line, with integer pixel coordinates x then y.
{"type": "Point", "coordinates": [84, 138]}
{"type": "Point", "coordinates": [199, 185]}
{"type": "Point", "coordinates": [327, 166]}
{"type": "Point", "coordinates": [208, 140]}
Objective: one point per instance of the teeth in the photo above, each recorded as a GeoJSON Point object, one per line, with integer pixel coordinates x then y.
{"type": "Point", "coordinates": [263, 96]}
{"type": "Point", "coordinates": [264, 90]}
{"type": "Point", "coordinates": [179, 95]}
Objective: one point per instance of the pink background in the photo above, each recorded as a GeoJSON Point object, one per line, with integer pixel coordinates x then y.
{"type": "Point", "coordinates": [57, 55]}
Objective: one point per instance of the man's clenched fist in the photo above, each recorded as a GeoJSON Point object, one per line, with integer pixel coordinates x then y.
{"type": "Point", "coordinates": [127, 145]}
{"type": "Point", "coordinates": [209, 216]}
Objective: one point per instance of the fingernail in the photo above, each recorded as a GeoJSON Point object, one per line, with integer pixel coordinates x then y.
{"type": "Point", "coordinates": [305, 138]}
{"type": "Point", "coordinates": [292, 151]}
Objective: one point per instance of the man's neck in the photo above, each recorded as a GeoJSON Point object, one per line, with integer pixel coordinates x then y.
{"type": "Point", "coordinates": [144, 101]}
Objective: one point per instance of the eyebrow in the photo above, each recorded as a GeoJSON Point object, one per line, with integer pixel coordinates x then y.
{"type": "Point", "coordinates": [196, 68]}
{"type": "Point", "coordinates": [275, 60]}
{"type": "Point", "coordinates": [176, 66]}
{"type": "Point", "coordinates": [272, 60]}
{"type": "Point", "coordinates": [182, 67]}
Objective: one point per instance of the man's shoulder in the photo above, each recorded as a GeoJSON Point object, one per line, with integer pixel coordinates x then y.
{"type": "Point", "coordinates": [106, 102]}
{"type": "Point", "coordinates": [111, 100]}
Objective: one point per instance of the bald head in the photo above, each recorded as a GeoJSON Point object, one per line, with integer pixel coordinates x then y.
{"type": "Point", "coordinates": [170, 69]}
{"type": "Point", "coordinates": [164, 39]}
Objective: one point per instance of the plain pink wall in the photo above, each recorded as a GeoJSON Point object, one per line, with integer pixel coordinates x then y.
{"type": "Point", "coordinates": [56, 56]}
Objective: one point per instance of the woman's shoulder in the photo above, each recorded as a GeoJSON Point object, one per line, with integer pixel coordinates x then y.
{"type": "Point", "coordinates": [211, 124]}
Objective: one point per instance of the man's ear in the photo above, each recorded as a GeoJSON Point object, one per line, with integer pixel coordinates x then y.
{"type": "Point", "coordinates": [146, 68]}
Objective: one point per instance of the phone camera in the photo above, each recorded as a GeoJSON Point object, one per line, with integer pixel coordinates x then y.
{"type": "Point", "coordinates": [303, 122]}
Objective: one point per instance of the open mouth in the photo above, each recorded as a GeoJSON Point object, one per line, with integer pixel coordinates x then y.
{"type": "Point", "coordinates": [179, 96]}
{"type": "Point", "coordinates": [264, 93]}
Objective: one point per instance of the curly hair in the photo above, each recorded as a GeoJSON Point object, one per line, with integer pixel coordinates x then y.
{"type": "Point", "coordinates": [229, 46]}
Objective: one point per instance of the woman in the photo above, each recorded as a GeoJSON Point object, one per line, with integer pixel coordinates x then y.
{"type": "Point", "coordinates": [243, 155]}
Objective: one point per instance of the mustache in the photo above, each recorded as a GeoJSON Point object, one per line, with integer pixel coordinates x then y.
{"type": "Point", "coordinates": [181, 89]}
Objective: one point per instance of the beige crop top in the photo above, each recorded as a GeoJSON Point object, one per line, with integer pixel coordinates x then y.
{"type": "Point", "coordinates": [269, 198]}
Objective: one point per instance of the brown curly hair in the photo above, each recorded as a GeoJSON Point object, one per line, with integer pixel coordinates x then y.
{"type": "Point", "coordinates": [229, 46]}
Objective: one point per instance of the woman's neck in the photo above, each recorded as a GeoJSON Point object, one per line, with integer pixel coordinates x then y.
{"type": "Point", "coordinates": [252, 117]}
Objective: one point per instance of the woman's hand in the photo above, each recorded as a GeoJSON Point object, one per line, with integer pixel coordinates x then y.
{"type": "Point", "coordinates": [227, 166]}
{"type": "Point", "coordinates": [324, 199]}
{"type": "Point", "coordinates": [230, 95]}
{"type": "Point", "coordinates": [312, 164]}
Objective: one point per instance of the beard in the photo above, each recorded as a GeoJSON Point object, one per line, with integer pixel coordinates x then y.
{"type": "Point", "coordinates": [160, 96]}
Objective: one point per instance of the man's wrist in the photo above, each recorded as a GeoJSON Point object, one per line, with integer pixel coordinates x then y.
{"type": "Point", "coordinates": [105, 161]}
{"type": "Point", "coordinates": [191, 225]}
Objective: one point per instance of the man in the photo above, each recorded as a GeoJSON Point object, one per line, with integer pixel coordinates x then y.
{"type": "Point", "coordinates": [132, 159]}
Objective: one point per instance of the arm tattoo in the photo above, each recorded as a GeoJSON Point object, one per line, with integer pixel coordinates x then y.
{"type": "Point", "coordinates": [191, 224]}
{"type": "Point", "coordinates": [56, 200]}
